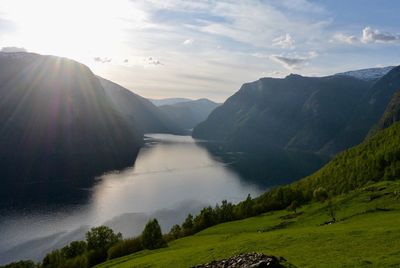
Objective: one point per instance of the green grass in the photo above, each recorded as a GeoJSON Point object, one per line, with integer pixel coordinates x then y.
{"type": "Point", "coordinates": [367, 235]}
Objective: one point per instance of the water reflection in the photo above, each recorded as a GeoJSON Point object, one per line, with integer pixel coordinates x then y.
{"type": "Point", "coordinates": [172, 176]}
{"type": "Point", "coordinates": [266, 167]}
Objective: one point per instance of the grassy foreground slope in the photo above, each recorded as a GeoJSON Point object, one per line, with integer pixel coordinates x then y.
{"type": "Point", "coordinates": [366, 235]}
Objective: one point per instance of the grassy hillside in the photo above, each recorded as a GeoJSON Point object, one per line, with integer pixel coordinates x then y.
{"type": "Point", "coordinates": [366, 235]}
{"type": "Point", "coordinates": [377, 158]}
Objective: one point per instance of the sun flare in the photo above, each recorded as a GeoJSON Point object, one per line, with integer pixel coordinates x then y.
{"type": "Point", "coordinates": [77, 29]}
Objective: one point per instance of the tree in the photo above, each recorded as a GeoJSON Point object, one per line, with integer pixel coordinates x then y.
{"type": "Point", "coordinates": [152, 236]}
{"type": "Point", "coordinates": [75, 248]}
{"type": "Point", "coordinates": [246, 207]}
{"type": "Point", "coordinates": [332, 210]}
{"type": "Point", "coordinates": [175, 231]}
{"type": "Point", "coordinates": [293, 206]}
{"type": "Point", "coordinates": [205, 219]}
{"type": "Point", "coordinates": [102, 237]}
{"type": "Point", "coordinates": [187, 225]}
{"type": "Point", "coordinates": [225, 212]}
{"type": "Point", "coordinates": [99, 240]}
{"type": "Point", "coordinates": [21, 264]}
{"type": "Point", "coordinates": [320, 194]}
{"type": "Point", "coordinates": [53, 259]}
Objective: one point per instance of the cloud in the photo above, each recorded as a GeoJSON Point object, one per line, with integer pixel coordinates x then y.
{"type": "Point", "coordinates": [275, 74]}
{"type": "Point", "coordinates": [102, 60]}
{"type": "Point", "coordinates": [370, 35]}
{"type": "Point", "coordinates": [13, 49]}
{"type": "Point", "coordinates": [152, 61]}
{"type": "Point", "coordinates": [295, 61]}
{"type": "Point", "coordinates": [284, 41]}
{"type": "Point", "coordinates": [188, 42]}
{"type": "Point", "coordinates": [345, 38]}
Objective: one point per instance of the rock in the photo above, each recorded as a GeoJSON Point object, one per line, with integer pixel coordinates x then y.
{"type": "Point", "coordinates": [253, 260]}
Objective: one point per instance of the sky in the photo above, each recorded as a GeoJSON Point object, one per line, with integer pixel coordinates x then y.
{"type": "Point", "coordinates": [197, 49]}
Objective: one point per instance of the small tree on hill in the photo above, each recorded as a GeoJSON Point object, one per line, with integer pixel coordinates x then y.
{"type": "Point", "coordinates": [187, 225]}
{"type": "Point", "coordinates": [320, 194]}
{"type": "Point", "coordinates": [332, 210]}
{"type": "Point", "coordinates": [293, 206]}
{"type": "Point", "coordinates": [152, 237]}
{"type": "Point", "coordinates": [74, 249]}
{"type": "Point", "coordinates": [102, 237]}
{"type": "Point", "coordinates": [175, 231]}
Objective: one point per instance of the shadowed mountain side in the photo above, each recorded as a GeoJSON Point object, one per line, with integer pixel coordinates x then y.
{"type": "Point", "coordinates": [266, 167]}
{"type": "Point", "coordinates": [323, 115]}
{"type": "Point", "coordinates": [56, 122]}
{"type": "Point", "coordinates": [138, 111]}
{"type": "Point", "coordinates": [368, 113]}
{"type": "Point", "coordinates": [189, 114]}
{"type": "Point", "coordinates": [391, 114]}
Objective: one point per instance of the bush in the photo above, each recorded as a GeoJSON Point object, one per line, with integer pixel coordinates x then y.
{"type": "Point", "coordinates": [96, 256]}
{"type": "Point", "coordinates": [76, 262]}
{"type": "Point", "coordinates": [53, 259]}
{"type": "Point", "coordinates": [125, 247]}
{"type": "Point", "coordinates": [20, 264]}
{"type": "Point", "coordinates": [320, 194]}
{"type": "Point", "coordinates": [152, 237]}
{"type": "Point", "coordinates": [293, 206]}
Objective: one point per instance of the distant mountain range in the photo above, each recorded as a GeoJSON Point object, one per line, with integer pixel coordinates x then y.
{"type": "Point", "coordinates": [188, 114]}
{"type": "Point", "coordinates": [168, 101]}
{"type": "Point", "coordinates": [138, 111]}
{"type": "Point", "coordinates": [322, 115]}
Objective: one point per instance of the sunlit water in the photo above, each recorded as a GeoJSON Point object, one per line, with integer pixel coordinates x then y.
{"type": "Point", "coordinates": [172, 176]}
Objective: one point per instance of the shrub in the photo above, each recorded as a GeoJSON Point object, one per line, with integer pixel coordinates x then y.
{"type": "Point", "coordinates": [320, 194]}
{"type": "Point", "coordinates": [21, 264]}
{"type": "Point", "coordinates": [125, 247]}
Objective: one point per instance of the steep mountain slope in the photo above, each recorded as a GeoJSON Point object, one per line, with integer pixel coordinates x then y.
{"type": "Point", "coordinates": [299, 113]}
{"type": "Point", "coordinates": [139, 112]}
{"type": "Point", "coordinates": [391, 114]}
{"type": "Point", "coordinates": [368, 112]}
{"type": "Point", "coordinates": [376, 159]}
{"type": "Point", "coordinates": [188, 114]}
{"type": "Point", "coordinates": [369, 73]}
{"type": "Point", "coordinates": [56, 121]}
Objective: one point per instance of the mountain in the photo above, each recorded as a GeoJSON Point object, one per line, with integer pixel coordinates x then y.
{"type": "Point", "coordinates": [168, 101]}
{"type": "Point", "coordinates": [138, 111]}
{"type": "Point", "coordinates": [391, 114]}
{"type": "Point", "coordinates": [376, 159]}
{"type": "Point", "coordinates": [368, 113]}
{"type": "Point", "coordinates": [296, 112]}
{"type": "Point", "coordinates": [190, 113]}
{"type": "Point", "coordinates": [56, 121]}
{"type": "Point", "coordinates": [368, 74]}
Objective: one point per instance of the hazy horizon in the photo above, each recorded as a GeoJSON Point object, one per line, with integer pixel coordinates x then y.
{"type": "Point", "coordinates": [204, 49]}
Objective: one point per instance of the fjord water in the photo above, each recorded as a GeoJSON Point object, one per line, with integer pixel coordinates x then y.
{"type": "Point", "coordinates": [172, 176]}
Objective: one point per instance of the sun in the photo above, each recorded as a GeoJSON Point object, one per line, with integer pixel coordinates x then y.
{"type": "Point", "coordinates": [78, 29]}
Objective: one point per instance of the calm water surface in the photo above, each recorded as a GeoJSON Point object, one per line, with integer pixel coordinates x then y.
{"type": "Point", "coordinates": [172, 176]}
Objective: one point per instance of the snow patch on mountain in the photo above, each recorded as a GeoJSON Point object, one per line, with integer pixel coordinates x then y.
{"type": "Point", "coordinates": [368, 74]}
